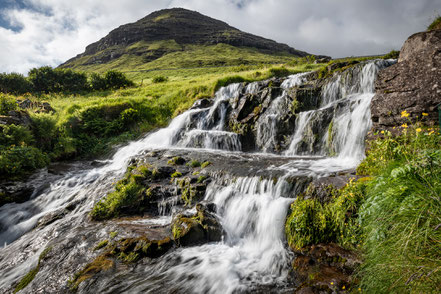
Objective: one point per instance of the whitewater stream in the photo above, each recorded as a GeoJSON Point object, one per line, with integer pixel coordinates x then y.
{"type": "Point", "coordinates": [252, 209]}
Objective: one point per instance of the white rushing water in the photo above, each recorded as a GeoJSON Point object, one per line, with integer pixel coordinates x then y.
{"type": "Point", "coordinates": [340, 125]}
{"type": "Point", "coordinates": [252, 210]}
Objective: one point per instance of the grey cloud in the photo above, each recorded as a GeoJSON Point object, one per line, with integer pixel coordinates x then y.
{"type": "Point", "coordinates": [331, 27]}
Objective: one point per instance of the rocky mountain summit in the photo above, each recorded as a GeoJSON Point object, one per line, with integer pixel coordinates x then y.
{"type": "Point", "coordinates": [413, 84]}
{"type": "Point", "coordinates": [176, 27]}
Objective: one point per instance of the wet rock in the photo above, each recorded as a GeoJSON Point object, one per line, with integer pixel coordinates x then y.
{"type": "Point", "coordinates": [199, 228]}
{"type": "Point", "coordinates": [52, 217]}
{"type": "Point", "coordinates": [15, 192]}
{"type": "Point", "coordinates": [325, 267]}
{"type": "Point", "coordinates": [161, 172]}
{"type": "Point", "coordinates": [413, 84]}
{"type": "Point", "coordinates": [202, 103]}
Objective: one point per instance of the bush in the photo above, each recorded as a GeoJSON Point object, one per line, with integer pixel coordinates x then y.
{"type": "Point", "coordinates": [15, 135]}
{"type": "Point", "coordinates": [7, 103]}
{"type": "Point", "coordinates": [159, 79]}
{"type": "Point", "coordinates": [227, 81]}
{"type": "Point", "coordinates": [48, 80]}
{"type": "Point", "coordinates": [19, 160]}
{"type": "Point", "coordinates": [436, 24]}
{"type": "Point", "coordinates": [44, 130]}
{"type": "Point", "coordinates": [14, 83]}
{"type": "Point", "coordinates": [116, 80]}
{"type": "Point", "coordinates": [97, 82]}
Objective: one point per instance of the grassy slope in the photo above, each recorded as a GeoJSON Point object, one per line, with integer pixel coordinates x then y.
{"type": "Point", "coordinates": [138, 57]}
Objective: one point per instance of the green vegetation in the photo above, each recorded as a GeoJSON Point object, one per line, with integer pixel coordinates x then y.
{"type": "Point", "coordinates": [194, 163]}
{"type": "Point", "coordinates": [176, 175]}
{"type": "Point", "coordinates": [159, 79]}
{"type": "Point", "coordinates": [314, 221]}
{"type": "Point", "coordinates": [177, 160]}
{"type": "Point", "coordinates": [205, 164]}
{"type": "Point", "coordinates": [101, 244]}
{"type": "Point", "coordinates": [27, 279]}
{"type": "Point", "coordinates": [48, 80]}
{"type": "Point", "coordinates": [101, 263]}
{"type": "Point", "coordinates": [394, 54]}
{"type": "Point", "coordinates": [436, 24]}
{"type": "Point", "coordinates": [128, 191]}
{"type": "Point", "coordinates": [392, 218]}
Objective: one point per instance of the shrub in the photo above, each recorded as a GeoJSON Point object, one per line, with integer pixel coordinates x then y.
{"type": "Point", "coordinates": [19, 160]}
{"type": "Point", "coordinates": [14, 83]}
{"type": "Point", "coordinates": [15, 135]}
{"type": "Point", "coordinates": [159, 79]}
{"type": "Point", "coordinates": [44, 79]}
{"type": "Point", "coordinates": [97, 82]}
{"type": "Point", "coordinates": [223, 82]}
{"type": "Point", "coordinates": [116, 80]}
{"type": "Point", "coordinates": [7, 103]}
{"type": "Point", "coordinates": [44, 130]}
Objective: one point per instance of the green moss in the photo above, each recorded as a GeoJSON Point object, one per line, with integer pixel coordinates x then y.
{"type": "Point", "coordinates": [201, 179]}
{"type": "Point", "coordinates": [176, 175]}
{"type": "Point", "coordinates": [101, 263]}
{"type": "Point", "coordinates": [205, 164]}
{"type": "Point", "coordinates": [128, 192]}
{"type": "Point", "coordinates": [113, 235]}
{"type": "Point", "coordinates": [27, 279]}
{"type": "Point", "coordinates": [177, 160]}
{"type": "Point", "coordinates": [194, 163]}
{"type": "Point", "coordinates": [101, 244]}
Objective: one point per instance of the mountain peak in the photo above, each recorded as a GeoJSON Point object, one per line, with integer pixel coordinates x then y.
{"type": "Point", "coordinates": [177, 26]}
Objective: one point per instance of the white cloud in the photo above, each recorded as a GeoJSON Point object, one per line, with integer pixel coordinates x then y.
{"type": "Point", "coordinates": [56, 30]}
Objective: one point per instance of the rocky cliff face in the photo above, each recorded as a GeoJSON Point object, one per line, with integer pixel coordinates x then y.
{"type": "Point", "coordinates": [413, 84]}
{"type": "Point", "coordinates": [180, 26]}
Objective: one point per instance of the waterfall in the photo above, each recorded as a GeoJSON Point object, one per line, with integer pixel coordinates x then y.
{"type": "Point", "coordinates": [252, 209]}
{"type": "Point", "coordinates": [340, 125]}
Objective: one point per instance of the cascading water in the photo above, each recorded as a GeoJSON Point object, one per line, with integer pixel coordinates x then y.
{"type": "Point", "coordinates": [251, 209]}
{"type": "Point", "coordinates": [340, 125]}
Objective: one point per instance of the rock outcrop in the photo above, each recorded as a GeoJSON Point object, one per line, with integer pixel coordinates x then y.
{"type": "Point", "coordinates": [412, 85]}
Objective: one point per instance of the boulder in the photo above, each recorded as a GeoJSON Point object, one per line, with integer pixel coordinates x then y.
{"type": "Point", "coordinates": [199, 228]}
{"type": "Point", "coordinates": [19, 117]}
{"type": "Point", "coordinates": [412, 85]}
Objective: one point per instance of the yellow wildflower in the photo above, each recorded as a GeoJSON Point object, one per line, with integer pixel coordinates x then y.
{"type": "Point", "coordinates": [418, 130]}
{"type": "Point", "coordinates": [332, 283]}
{"type": "Point", "coordinates": [404, 113]}
{"type": "Point", "coordinates": [431, 132]}
{"type": "Point", "coordinates": [382, 132]}
{"type": "Point", "coordinates": [343, 287]}
{"type": "Point", "coordinates": [425, 114]}
{"type": "Point", "coordinates": [404, 125]}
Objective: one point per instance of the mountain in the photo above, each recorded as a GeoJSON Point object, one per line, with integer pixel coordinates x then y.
{"type": "Point", "coordinates": [175, 30]}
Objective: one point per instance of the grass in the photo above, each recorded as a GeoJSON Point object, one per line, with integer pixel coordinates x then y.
{"type": "Point", "coordinates": [436, 24]}
{"type": "Point", "coordinates": [392, 218]}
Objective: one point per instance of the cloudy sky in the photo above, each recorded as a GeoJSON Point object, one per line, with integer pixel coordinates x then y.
{"type": "Point", "coordinates": [48, 32]}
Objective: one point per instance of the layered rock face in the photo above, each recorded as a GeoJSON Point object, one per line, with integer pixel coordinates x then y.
{"type": "Point", "coordinates": [413, 84]}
